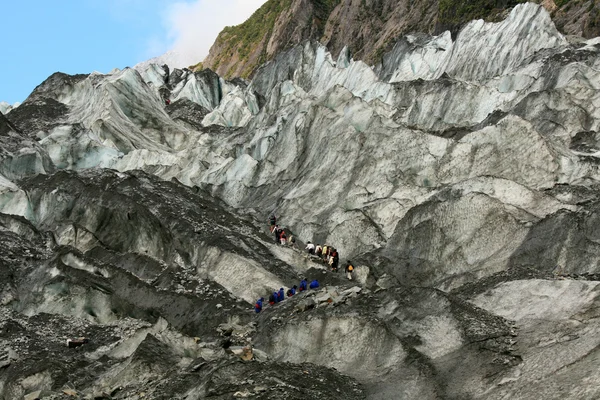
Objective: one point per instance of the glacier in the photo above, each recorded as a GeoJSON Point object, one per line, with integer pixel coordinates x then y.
{"type": "Point", "coordinates": [460, 176]}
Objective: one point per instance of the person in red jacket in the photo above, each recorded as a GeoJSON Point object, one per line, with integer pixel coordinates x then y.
{"type": "Point", "coordinates": [283, 238]}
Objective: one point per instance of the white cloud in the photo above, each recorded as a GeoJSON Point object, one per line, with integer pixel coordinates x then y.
{"type": "Point", "coordinates": [193, 26]}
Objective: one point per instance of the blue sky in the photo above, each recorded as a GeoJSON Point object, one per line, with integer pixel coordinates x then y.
{"type": "Point", "coordinates": [41, 37]}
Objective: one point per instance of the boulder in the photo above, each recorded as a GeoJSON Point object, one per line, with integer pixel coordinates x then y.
{"type": "Point", "coordinates": [33, 395]}
{"type": "Point", "coordinates": [306, 304]}
{"type": "Point", "coordinates": [386, 281]}
{"type": "Point", "coordinates": [5, 359]}
{"type": "Point", "coordinates": [354, 289]}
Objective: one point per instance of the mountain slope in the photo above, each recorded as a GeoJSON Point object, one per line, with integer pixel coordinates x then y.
{"type": "Point", "coordinates": [368, 27]}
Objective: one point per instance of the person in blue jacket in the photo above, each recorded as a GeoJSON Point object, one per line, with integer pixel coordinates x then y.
{"type": "Point", "coordinates": [314, 284]}
{"type": "Point", "coordinates": [258, 305]}
{"type": "Point", "coordinates": [276, 295]}
{"type": "Point", "coordinates": [303, 285]}
{"type": "Point", "coordinates": [281, 295]}
{"type": "Point", "coordinates": [292, 291]}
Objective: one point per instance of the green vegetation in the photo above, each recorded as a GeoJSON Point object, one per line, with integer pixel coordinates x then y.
{"type": "Point", "coordinates": [454, 14]}
{"type": "Point", "coordinates": [197, 67]}
{"type": "Point", "coordinates": [244, 38]}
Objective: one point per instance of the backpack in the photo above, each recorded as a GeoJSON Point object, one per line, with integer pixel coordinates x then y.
{"type": "Point", "coordinates": [350, 268]}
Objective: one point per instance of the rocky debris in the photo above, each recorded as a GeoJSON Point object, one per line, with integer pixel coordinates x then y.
{"type": "Point", "coordinates": [39, 114]}
{"type": "Point", "coordinates": [275, 380]}
{"type": "Point", "coordinates": [187, 111]}
{"type": "Point", "coordinates": [237, 334]}
{"type": "Point", "coordinates": [306, 304]}
{"type": "Point", "coordinates": [245, 353]}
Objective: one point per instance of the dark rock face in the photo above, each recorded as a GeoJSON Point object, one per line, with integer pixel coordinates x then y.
{"type": "Point", "coordinates": [19, 155]}
{"type": "Point", "coordinates": [32, 115]}
{"type": "Point", "coordinates": [577, 18]}
{"type": "Point", "coordinates": [188, 112]}
{"type": "Point", "coordinates": [6, 126]}
{"type": "Point", "coordinates": [44, 109]}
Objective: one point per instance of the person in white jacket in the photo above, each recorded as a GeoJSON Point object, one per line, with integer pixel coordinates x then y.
{"type": "Point", "coordinates": [310, 248]}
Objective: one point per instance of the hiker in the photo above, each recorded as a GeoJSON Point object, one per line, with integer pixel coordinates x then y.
{"type": "Point", "coordinates": [324, 252]}
{"type": "Point", "coordinates": [292, 291]}
{"type": "Point", "coordinates": [334, 261]}
{"type": "Point", "coordinates": [314, 284]}
{"type": "Point", "coordinates": [258, 305]}
{"type": "Point", "coordinates": [283, 238]}
{"type": "Point", "coordinates": [272, 222]}
{"type": "Point", "coordinates": [277, 231]}
{"type": "Point", "coordinates": [281, 295]}
{"type": "Point", "coordinates": [303, 285]}
{"type": "Point", "coordinates": [272, 298]}
{"type": "Point", "coordinates": [292, 241]}
{"type": "Point", "coordinates": [310, 248]}
{"type": "Point", "coordinates": [349, 270]}
{"type": "Point", "coordinates": [318, 250]}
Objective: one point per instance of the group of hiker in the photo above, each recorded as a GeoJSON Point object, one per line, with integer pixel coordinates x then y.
{"type": "Point", "coordinates": [330, 256]}
{"type": "Point", "coordinates": [279, 296]}
{"type": "Point", "coordinates": [280, 236]}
